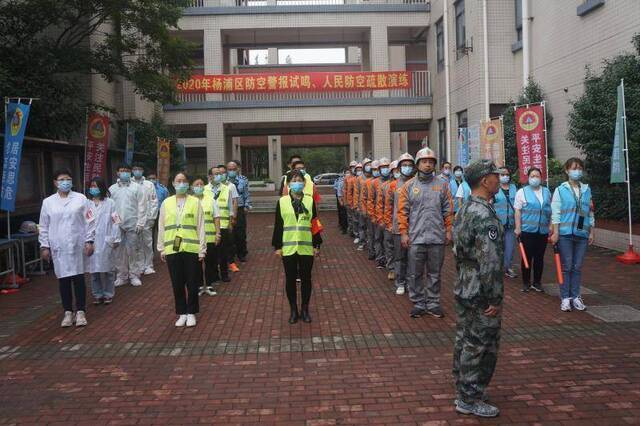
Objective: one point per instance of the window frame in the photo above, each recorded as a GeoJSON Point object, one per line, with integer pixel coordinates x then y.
{"type": "Point", "coordinates": [440, 44]}
{"type": "Point", "coordinates": [461, 27]}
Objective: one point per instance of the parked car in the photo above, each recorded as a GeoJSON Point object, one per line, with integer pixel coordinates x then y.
{"type": "Point", "coordinates": [326, 178]}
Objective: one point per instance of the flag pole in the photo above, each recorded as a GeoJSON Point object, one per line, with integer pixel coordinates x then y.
{"type": "Point", "coordinates": [86, 142]}
{"type": "Point", "coordinates": [546, 140]}
{"type": "Point", "coordinates": [630, 257]}
{"type": "Point", "coordinates": [6, 102]}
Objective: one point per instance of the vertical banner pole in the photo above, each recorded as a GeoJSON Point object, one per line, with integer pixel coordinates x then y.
{"type": "Point", "coordinates": [626, 154]}
{"type": "Point", "coordinates": [546, 139]}
{"type": "Point", "coordinates": [86, 143]}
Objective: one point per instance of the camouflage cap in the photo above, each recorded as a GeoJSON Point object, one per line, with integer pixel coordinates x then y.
{"type": "Point", "coordinates": [479, 169]}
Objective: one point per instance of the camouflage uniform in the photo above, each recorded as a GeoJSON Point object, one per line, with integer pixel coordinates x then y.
{"type": "Point", "coordinates": [478, 246]}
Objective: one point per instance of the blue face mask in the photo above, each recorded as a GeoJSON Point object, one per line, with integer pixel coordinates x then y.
{"type": "Point", "coordinates": [376, 173]}
{"type": "Point", "coordinates": [65, 185]}
{"type": "Point", "coordinates": [504, 179]}
{"type": "Point", "coordinates": [367, 169]}
{"type": "Point", "coordinates": [217, 178]}
{"type": "Point", "coordinates": [198, 190]}
{"type": "Point", "coordinates": [359, 173]}
{"type": "Point", "coordinates": [95, 192]}
{"type": "Point", "coordinates": [458, 173]}
{"type": "Point", "coordinates": [397, 175]}
{"type": "Point", "coordinates": [575, 174]}
{"type": "Point", "coordinates": [296, 187]}
{"type": "Point", "coordinates": [384, 171]}
{"type": "Point", "coordinates": [137, 173]}
{"type": "Point", "coordinates": [124, 176]}
{"type": "Point", "coordinates": [534, 182]}
{"type": "Point", "coordinates": [232, 174]}
{"type": "Point", "coordinates": [407, 170]}
{"type": "Point", "coordinates": [181, 187]}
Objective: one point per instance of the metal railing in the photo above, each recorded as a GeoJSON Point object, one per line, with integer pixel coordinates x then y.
{"type": "Point", "coordinates": [420, 87]}
{"type": "Point", "coordinates": [252, 3]}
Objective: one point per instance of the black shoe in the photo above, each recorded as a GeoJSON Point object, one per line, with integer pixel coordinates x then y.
{"type": "Point", "coordinates": [305, 314]}
{"type": "Point", "coordinates": [436, 312]}
{"type": "Point", "coordinates": [226, 279]}
{"type": "Point", "coordinates": [537, 287]}
{"type": "Point", "coordinates": [294, 316]}
{"type": "Point", "coordinates": [525, 288]}
{"type": "Point", "coordinates": [417, 312]}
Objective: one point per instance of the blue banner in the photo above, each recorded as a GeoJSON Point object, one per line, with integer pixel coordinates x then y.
{"type": "Point", "coordinates": [15, 125]}
{"type": "Point", "coordinates": [130, 147]}
{"type": "Point", "coordinates": [618, 163]}
{"type": "Point", "coordinates": [463, 147]}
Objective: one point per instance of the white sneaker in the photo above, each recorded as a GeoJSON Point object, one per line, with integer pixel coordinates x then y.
{"type": "Point", "coordinates": [201, 290]}
{"type": "Point", "coordinates": [566, 305]}
{"type": "Point", "coordinates": [579, 304]}
{"type": "Point", "coordinates": [149, 271]}
{"type": "Point", "coordinates": [135, 281]}
{"type": "Point", "coordinates": [67, 320]}
{"type": "Point", "coordinates": [81, 319]}
{"type": "Point", "coordinates": [119, 282]}
{"type": "Point", "coordinates": [210, 291]}
{"type": "Point", "coordinates": [400, 291]}
{"type": "Point", "coordinates": [182, 320]}
{"type": "Point", "coordinates": [191, 320]}
{"type": "Point", "coordinates": [356, 241]}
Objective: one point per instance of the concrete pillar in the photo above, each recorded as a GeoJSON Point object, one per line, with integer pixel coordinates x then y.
{"type": "Point", "coordinates": [272, 56]}
{"type": "Point", "coordinates": [399, 144]}
{"type": "Point", "coordinates": [379, 54]}
{"type": "Point", "coordinates": [215, 143]}
{"type": "Point", "coordinates": [233, 61]}
{"type": "Point", "coordinates": [365, 57]}
{"type": "Point", "coordinates": [381, 138]}
{"type": "Point", "coordinates": [353, 55]}
{"type": "Point", "coordinates": [356, 146]}
{"type": "Point", "coordinates": [274, 144]}
{"type": "Point", "coordinates": [397, 58]}
{"type": "Point", "coordinates": [236, 153]}
{"type": "Point", "coordinates": [213, 57]}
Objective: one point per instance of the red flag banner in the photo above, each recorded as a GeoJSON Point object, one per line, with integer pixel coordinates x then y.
{"type": "Point", "coordinates": [296, 82]}
{"type": "Point", "coordinates": [531, 140]}
{"type": "Point", "coordinates": [95, 158]}
{"type": "Point", "coordinates": [164, 160]}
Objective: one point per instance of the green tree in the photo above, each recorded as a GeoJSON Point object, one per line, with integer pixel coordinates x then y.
{"type": "Point", "coordinates": [319, 159]}
{"type": "Point", "coordinates": [50, 48]}
{"type": "Point", "coordinates": [592, 127]}
{"type": "Point", "coordinates": [532, 93]}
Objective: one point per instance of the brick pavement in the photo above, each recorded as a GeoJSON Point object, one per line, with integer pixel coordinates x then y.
{"type": "Point", "coordinates": [362, 360]}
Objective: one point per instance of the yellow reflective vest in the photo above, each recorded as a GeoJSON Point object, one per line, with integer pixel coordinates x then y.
{"type": "Point", "coordinates": [184, 225]}
{"type": "Point", "coordinates": [296, 236]}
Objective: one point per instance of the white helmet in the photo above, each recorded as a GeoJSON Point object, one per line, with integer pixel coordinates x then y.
{"type": "Point", "coordinates": [353, 163]}
{"type": "Point", "coordinates": [375, 164]}
{"type": "Point", "coordinates": [426, 153]}
{"type": "Point", "coordinates": [393, 165]}
{"type": "Point", "coordinates": [365, 161]}
{"type": "Point", "coordinates": [358, 165]}
{"type": "Point", "coordinates": [384, 161]}
{"type": "Point", "coordinates": [406, 156]}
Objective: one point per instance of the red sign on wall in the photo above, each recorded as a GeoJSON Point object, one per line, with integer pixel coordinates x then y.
{"type": "Point", "coordinates": [531, 140]}
{"type": "Point", "coordinates": [296, 82]}
{"type": "Point", "coordinates": [96, 151]}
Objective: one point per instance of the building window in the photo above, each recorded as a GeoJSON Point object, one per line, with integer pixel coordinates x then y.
{"type": "Point", "coordinates": [518, 20]}
{"type": "Point", "coordinates": [588, 6]}
{"type": "Point", "coordinates": [442, 139]}
{"type": "Point", "coordinates": [461, 40]}
{"type": "Point", "coordinates": [462, 118]}
{"type": "Point", "coordinates": [440, 45]}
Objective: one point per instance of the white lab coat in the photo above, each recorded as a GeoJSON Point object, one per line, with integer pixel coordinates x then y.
{"type": "Point", "coordinates": [107, 234]}
{"type": "Point", "coordinates": [66, 224]}
{"type": "Point", "coordinates": [130, 204]}
{"type": "Point", "coordinates": [150, 200]}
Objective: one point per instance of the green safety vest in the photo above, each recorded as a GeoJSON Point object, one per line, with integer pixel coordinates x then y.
{"type": "Point", "coordinates": [296, 236]}
{"type": "Point", "coordinates": [188, 228]}
{"type": "Point", "coordinates": [223, 205]}
{"type": "Point", "coordinates": [209, 225]}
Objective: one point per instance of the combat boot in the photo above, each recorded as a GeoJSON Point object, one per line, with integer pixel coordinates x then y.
{"type": "Point", "coordinates": [478, 408]}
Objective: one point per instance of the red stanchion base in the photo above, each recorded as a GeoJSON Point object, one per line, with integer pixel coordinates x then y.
{"type": "Point", "coordinates": [629, 258]}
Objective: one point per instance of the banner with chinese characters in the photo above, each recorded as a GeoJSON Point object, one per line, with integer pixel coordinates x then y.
{"type": "Point", "coordinates": [463, 146]}
{"type": "Point", "coordinates": [130, 146]}
{"type": "Point", "coordinates": [492, 141]}
{"type": "Point", "coordinates": [15, 126]}
{"type": "Point", "coordinates": [530, 140]}
{"type": "Point", "coordinates": [296, 82]}
{"type": "Point", "coordinates": [164, 160]}
{"type": "Point", "coordinates": [473, 138]}
{"type": "Point", "coordinates": [96, 151]}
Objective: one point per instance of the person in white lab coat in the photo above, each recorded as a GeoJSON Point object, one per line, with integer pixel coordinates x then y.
{"type": "Point", "coordinates": [67, 230]}
{"type": "Point", "coordinates": [101, 265]}
{"type": "Point", "coordinates": [129, 199]}
{"type": "Point", "coordinates": [151, 210]}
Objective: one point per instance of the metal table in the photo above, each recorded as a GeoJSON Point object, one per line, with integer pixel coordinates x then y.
{"type": "Point", "coordinates": [24, 241]}
{"type": "Point", "coordinates": [9, 247]}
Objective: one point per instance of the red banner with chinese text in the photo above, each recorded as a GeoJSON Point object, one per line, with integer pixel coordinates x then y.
{"type": "Point", "coordinates": [96, 150]}
{"type": "Point", "coordinates": [296, 82]}
{"type": "Point", "coordinates": [531, 140]}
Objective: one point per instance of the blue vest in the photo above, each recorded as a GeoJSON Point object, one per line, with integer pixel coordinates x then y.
{"type": "Point", "coordinates": [570, 211]}
{"type": "Point", "coordinates": [453, 186]}
{"type": "Point", "coordinates": [535, 218]}
{"type": "Point", "coordinates": [504, 207]}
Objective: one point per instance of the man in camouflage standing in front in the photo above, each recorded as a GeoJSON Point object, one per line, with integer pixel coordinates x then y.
{"type": "Point", "coordinates": [478, 248]}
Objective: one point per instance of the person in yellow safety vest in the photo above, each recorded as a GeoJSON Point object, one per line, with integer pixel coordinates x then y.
{"type": "Point", "coordinates": [182, 245]}
{"type": "Point", "coordinates": [309, 186]}
{"type": "Point", "coordinates": [362, 201]}
{"type": "Point", "coordinates": [212, 233]}
{"type": "Point", "coordinates": [294, 241]}
{"type": "Point", "coordinates": [222, 195]}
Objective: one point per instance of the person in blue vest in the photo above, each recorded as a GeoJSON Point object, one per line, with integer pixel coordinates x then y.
{"type": "Point", "coordinates": [459, 187]}
{"type": "Point", "coordinates": [503, 204]}
{"type": "Point", "coordinates": [573, 222]}
{"type": "Point", "coordinates": [161, 191]}
{"type": "Point", "coordinates": [445, 172]}
{"type": "Point", "coordinates": [533, 216]}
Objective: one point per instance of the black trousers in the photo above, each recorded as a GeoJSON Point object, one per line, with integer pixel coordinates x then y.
{"type": "Point", "coordinates": [297, 266]}
{"type": "Point", "coordinates": [534, 245]}
{"type": "Point", "coordinates": [240, 234]}
{"type": "Point", "coordinates": [224, 253]}
{"type": "Point", "coordinates": [211, 266]}
{"type": "Point", "coordinates": [185, 272]}
{"type": "Point", "coordinates": [69, 286]}
{"type": "Point", "coordinates": [342, 216]}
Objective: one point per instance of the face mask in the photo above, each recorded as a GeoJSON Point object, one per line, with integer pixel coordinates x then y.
{"type": "Point", "coordinates": [376, 173]}
{"type": "Point", "coordinates": [534, 181]}
{"type": "Point", "coordinates": [95, 192]}
{"type": "Point", "coordinates": [575, 174]}
{"type": "Point", "coordinates": [296, 187]}
{"type": "Point", "coordinates": [198, 190]}
{"type": "Point", "coordinates": [397, 175]}
{"type": "Point", "coordinates": [407, 170]}
{"type": "Point", "coordinates": [124, 176]}
{"type": "Point", "coordinates": [65, 185]}
{"type": "Point", "coordinates": [181, 188]}
{"type": "Point", "coordinates": [458, 173]}
{"type": "Point", "coordinates": [446, 172]}
{"type": "Point", "coordinates": [137, 173]}
{"type": "Point", "coordinates": [367, 169]}
{"type": "Point", "coordinates": [504, 179]}
{"type": "Point", "coordinates": [217, 179]}
{"type": "Point", "coordinates": [359, 173]}
{"type": "Point", "coordinates": [385, 171]}
{"type": "Point", "coordinates": [232, 174]}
